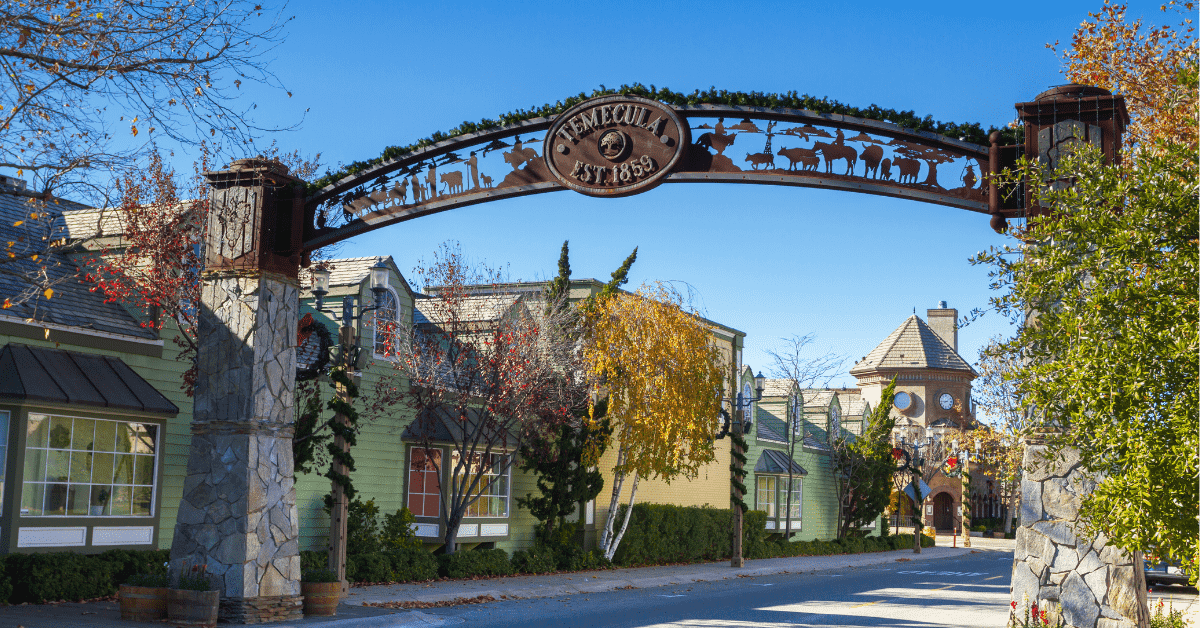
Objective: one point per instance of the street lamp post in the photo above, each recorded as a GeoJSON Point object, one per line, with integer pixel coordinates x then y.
{"type": "Point", "coordinates": [347, 361]}
{"type": "Point", "coordinates": [741, 407]}
{"type": "Point", "coordinates": [913, 463]}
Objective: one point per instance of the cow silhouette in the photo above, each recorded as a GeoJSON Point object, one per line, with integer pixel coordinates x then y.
{"type": "Point", "coordinates": [806, 157]}
{"type": "Point", "coordinates": [716, 141]}
{"type": "Point", "coordinates": [758, 159]}
{"type": "Point", "coordinates": [885, 169]}
{"type": "Point", "coordinates": [908, 169]}
{"type": "Point", "coordinates": [871, 156]}
{"type": "Point", "coordinates": [453, 181]}
{"type": "Point", "coordinates": [833, 152]}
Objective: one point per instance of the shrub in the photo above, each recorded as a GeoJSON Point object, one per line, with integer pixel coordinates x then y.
{"type": "Point", "coordinates": [537, 559]}
{"type": "Point", "coordinates": [480, 562]}
{"type": "Point", "coordinates": [318, 575]}
{"type": "Point", "coordinates": [40, 578]}
{"type": "Point", "coordinates": [398, 532]}
{"type": "Point", "coordinates": [411, 564]}
{"type": "Point", "coordinates": [661, 533]}
{"type": "Point", "coordinates": [128, 563]}
{"type": "Point", "coordinates": [373, 567]}
{"type": "Point", "coordinates": [152, 580]}
{"type": "Point", "coordinates": [312, 561]}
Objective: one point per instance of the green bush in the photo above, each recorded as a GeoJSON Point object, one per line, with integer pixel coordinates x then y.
{"type": "Point", "coordinates": [480, 562]}
{"type": "Point", "coordinates": [40, 578]}
{"type": "Point", "coordinates": [312, 561]}
{"type": "Point", "coordinates": [537, 559]}
{"type": "Point", "coordinates": [663, 533]}
{"type": "Point", "coordinates": [412, 564]}
{"type": "Point", "coordinates": [318, 575]}
{"type": "Point", "coordinates": [152, 580]}
{"type": "Point", "coordinates": [131, 562]}
{"type": "Point", "coordinates": [373, 567]}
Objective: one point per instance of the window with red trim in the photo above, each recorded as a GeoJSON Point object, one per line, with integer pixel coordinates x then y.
{"type": "Point", "coordinates": [424, 492]}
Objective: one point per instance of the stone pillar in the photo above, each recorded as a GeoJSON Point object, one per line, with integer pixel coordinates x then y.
{"type": "Point", "coordinates": [1097, 586]}
{"type": "Point", "coordinates": [238, 513]}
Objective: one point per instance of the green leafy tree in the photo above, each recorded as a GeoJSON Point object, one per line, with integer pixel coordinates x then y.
{"type": "Point", "coordinates": [1109, 355]}
{"type": "Point", "coordinates": [863, 466]}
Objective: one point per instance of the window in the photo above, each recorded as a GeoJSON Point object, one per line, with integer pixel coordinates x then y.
{"type": "Point", "coordinates": [766, 494]}
{"type": "Point", "coordinates": [386, 318]}
{"type": "Point", "coordinates": [835, 422]}
{"type": "Point", "coordinates": [493, 484]}
{"type": "Point", "coordinates": [88, 467]}
{"type": "Point", "coordinates": [797, 497]}
{"type": "Point", "coordinates": [4, 417]}
{"type": "Point", "coordinates": [424, 492]}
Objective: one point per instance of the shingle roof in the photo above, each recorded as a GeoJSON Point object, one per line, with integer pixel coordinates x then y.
{"type": "Point", "coordinates": [472, 309]}
{"type": "Point", "coordinates": [777, 388]}
{"type": "Point", "coordinates": [913, 345]}
{"type": "Point", "coordinates": [817, 399]}
{"type": "Point", "coordinates": [72, 304]}
{"type": "Point", "coordinates": [350, 271]}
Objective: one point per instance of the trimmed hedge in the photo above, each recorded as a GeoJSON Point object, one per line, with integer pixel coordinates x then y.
{"type": "Point", "coordinates": [780, 548]}
{"type": "Point", "coordinates": [479, 562]}
{"type": "Point", "coordinates": [40, 578]}
{"type": "Point", "coordinates": [662, 533]}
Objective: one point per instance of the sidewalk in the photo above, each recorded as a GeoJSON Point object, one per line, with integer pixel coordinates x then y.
{"type": "Point", "coordinates": [352, 613]}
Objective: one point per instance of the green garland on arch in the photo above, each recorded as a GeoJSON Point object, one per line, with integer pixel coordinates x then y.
{"type": "Point", "coordinates": [347, 432]}
{"type": "Point", "coordinates": [971, 132]}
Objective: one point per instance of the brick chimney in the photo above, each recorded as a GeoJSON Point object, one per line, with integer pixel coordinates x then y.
{"type": "Point", "coordinates": [944, 321]}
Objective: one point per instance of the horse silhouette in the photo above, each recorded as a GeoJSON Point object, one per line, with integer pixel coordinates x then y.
{"type": "Point", "coordinates": [834, 152]}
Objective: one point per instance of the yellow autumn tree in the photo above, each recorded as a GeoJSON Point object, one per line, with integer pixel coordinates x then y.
{"type": "Point", "coordinates": [1155, 69]}
{"type": "Point", "coordinates": [663, 379]}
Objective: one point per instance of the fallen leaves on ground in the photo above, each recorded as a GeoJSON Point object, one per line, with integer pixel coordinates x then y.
{"type": "Point", "coordinates": [479, 599]}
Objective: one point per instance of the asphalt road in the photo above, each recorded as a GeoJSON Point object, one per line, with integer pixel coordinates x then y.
{"type": "Point", "coordinates": [968, 591]}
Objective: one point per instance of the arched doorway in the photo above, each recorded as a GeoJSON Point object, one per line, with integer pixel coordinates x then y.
{"type": "Point", "coordinates": [943, 511]}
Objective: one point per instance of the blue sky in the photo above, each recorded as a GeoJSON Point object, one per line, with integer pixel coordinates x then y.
{"type": "Point", "coordinates": [773, 262]}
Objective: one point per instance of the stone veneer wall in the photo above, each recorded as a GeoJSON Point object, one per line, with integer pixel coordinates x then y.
{"type": "Point", "coordinates": [1097, 586]}
{"type": "Point", "coordinates": [238, 512]}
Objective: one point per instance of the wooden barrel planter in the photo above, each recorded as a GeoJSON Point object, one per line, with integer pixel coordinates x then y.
{"type": "Point", "coordinates": [192, 608]}
{"type": "Point", "coordinates": [143, 603]}
{"type": "Point", "coordinates": [321, 598]}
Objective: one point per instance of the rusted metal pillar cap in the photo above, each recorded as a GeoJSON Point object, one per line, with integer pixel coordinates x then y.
{"type": "Point", "coordinates": [1071, 91]}
{"type": "Point", "coordinates": [258, 163]}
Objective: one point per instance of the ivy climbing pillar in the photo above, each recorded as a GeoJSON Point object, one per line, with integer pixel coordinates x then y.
{"type": "Point", "coordinates": [237, 518]}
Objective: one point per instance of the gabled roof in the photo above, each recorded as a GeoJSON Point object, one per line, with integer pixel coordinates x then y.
{"type": "Point", "coordinates": [58, 376]}
{"type": "Point", "coordinates": [913, 345]}
{"type": "Point", "coordinates": [351, 271]}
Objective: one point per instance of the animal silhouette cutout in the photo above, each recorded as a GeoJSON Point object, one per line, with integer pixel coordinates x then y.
{"type": "Point", "coordinates": [806, 157]}
{"type": "Point", "coordinates": [453, 181]}
{"type": "Point", "coordinates": [716, 141]}
{"type": "Point", "coordinates": [760, 159]}
{"type": "Point", "coordinates": [399, 192]}
{"type": "Point", "coordinates": [519, 155]}
{"type": "Point", "coordinates": [871, 157]}
{"type": "Point", "coordinates": [908, 169]}
{"type": "Point", "coordinates": [885, 169]}
{"type": "Point", "coordinates": [487, 181]}
{"type": "Point", "coordinates": [834, 152]}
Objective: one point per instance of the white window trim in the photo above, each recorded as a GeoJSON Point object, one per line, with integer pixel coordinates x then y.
{"type": "Point", "coordinates": [158, 443]}
{"type": "Point", "coordinates": [374, 326]}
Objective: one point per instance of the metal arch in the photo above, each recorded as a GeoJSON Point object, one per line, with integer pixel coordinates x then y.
{"type": "Point", "coordinates": [380, 196]}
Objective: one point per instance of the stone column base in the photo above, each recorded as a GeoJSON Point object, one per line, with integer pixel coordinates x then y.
{"type": "Point", "coordinates": [261, 610]}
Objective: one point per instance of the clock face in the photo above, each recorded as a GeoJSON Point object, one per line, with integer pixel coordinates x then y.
{"type": "Point", "coordinates": [946, 400]}
{"type": "Point", "coordinates": [902, 401]}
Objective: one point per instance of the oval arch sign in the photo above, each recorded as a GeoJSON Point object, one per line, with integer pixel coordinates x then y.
{"type": "Point", "coordinates": [615, 145]}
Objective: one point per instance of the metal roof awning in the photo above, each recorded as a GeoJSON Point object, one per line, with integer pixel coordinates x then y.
{"type": "Point", "coordinates": [772, 461]}
{"type": "Point", "coordinates": [68, 377]}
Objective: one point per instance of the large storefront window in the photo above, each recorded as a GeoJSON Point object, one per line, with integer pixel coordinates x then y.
{"type": "Point", "coordinates": [88, 467]}
{"type": "Point", "coordinates": [424, 492]}
{"type": "Point", "coordinates": [493, 484]}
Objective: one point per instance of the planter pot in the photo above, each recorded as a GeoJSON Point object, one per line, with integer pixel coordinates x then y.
{"type": "Point", "coordinates": [321, 598]}
{"type": "Point", "coordinates": [143, 603]}
{"type": "Point", "coordinates": [192, 608]}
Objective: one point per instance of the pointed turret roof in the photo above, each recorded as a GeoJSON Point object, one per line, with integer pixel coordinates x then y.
{"type": "Point", "coordinates": [914, 345]}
